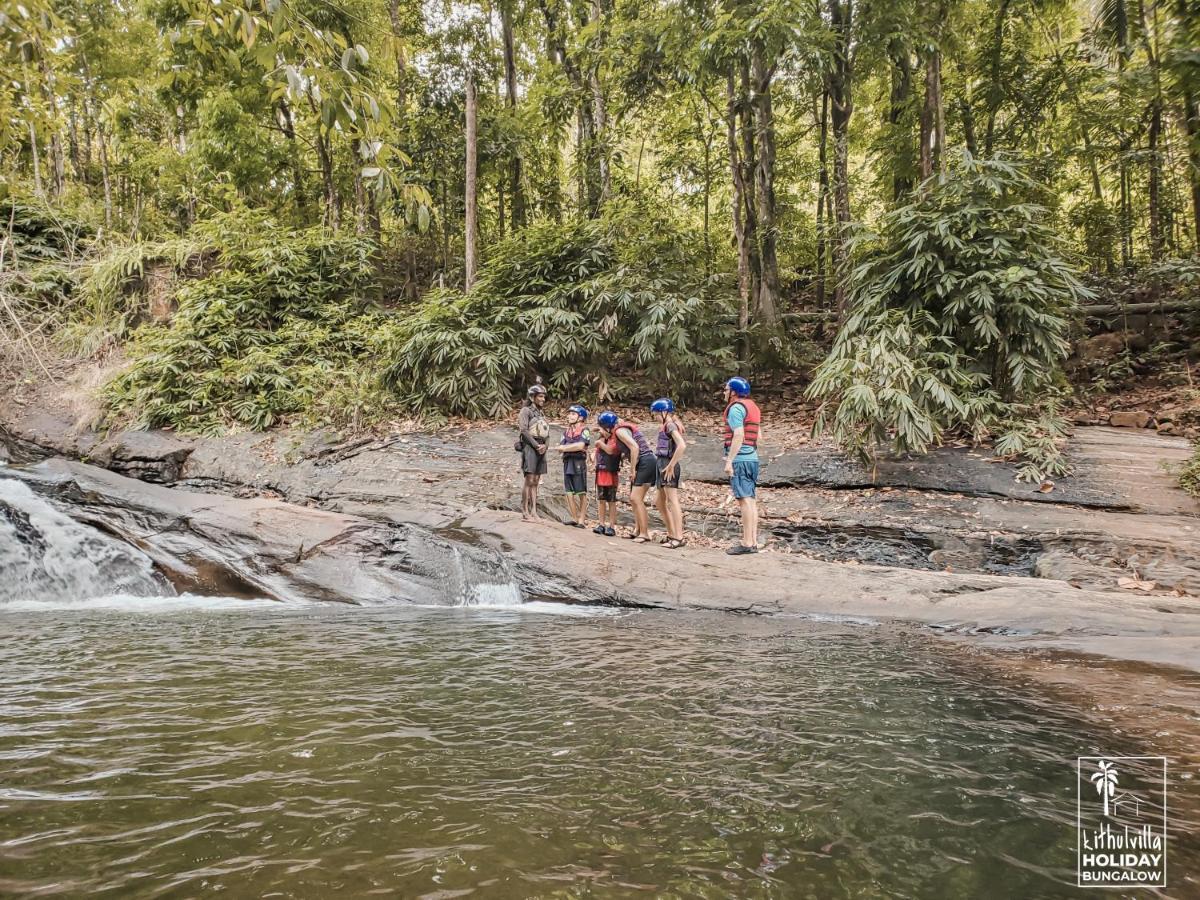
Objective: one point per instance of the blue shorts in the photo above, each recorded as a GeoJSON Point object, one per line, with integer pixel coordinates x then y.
{"type": "Point", "coordinates": [745, 478]}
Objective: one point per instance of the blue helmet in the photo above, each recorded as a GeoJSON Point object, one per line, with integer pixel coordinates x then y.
{"type": "Point", "coordinates": [663, 405]}
{"type": "Point", "coordinates": [580, 411]}
{"type": "Point", "coordinates": [607, 419]}
{"type": "Point", "coordinates": [739, 386]}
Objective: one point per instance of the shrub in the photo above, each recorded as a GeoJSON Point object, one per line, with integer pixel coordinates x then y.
{"type": "Point", "coordinates": [958, 314]}
{"type": "Point", "coordinates": [585, 304]}
{"type": "Point", "coordinates": [276, 326]}
{"type": "Point", "coordinates": [1189, 475]}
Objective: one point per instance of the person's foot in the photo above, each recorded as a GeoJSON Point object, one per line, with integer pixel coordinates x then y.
{"type": "Point", "coordinates": [610, 531]}
{"type": "Point", "coordinates": [600, 529]}
{"type": "Point", "coordinates": [674, 544]}
{"type": "Point", "coordinates": [739, 549]}
{"type": "Point", "coordinates": [581, 524]}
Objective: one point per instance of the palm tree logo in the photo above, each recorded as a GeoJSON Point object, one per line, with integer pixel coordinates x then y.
{"type": "Point", "coordinates": [1106, 782]}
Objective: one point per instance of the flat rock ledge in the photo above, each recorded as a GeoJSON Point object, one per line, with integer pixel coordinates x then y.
{"type": "Point", "coordinates": [289, 552]}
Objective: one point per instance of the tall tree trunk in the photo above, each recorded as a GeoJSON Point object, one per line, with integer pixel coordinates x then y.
{"type": "Point", "coordinates": [73, 138]}
{"type": "Point", "coordinates": [287, 123]}
{"type": "Point", "coordinates": [516, 188]}
{"type": "Point", "coordinates": [708, 261]}
{"type": "Point", "coordinates": [933, 129]}
{"type": "Point", "coordinates": [470, 260]}
{"type": "Point", "coordinates": [767, 305]}
{"type": "Point", "coordinates": [105, 176]}
{"type": "Point", "coordinates": [740, 233]}
{"type": "Point", "coordinates": [603, 187]}
{"type": "Point", "coordinates": [841, 108]}
{"type": "Point", "coordinates": [1191, 119]}
{"type": "Point", "coordinates": [333, 202]}
{"type": "Point", "coordinates": [899, 118]}
{"type": "Point", "coordinates": [360, 190]}
{"type": "Point", "coordinates": [1154, 185]}
{"type": "Point", "coordinates": [748, 164]}
{"type": "Point", "coordinates": [995, 90]}
{"type": "Point", "coordinates": [822, 194]}
{"type": "Point", "coordinates": [1149, 38]}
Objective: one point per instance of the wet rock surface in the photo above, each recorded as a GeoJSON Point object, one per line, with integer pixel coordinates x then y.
{"type": "Point", "coordinates": [1119, 519]}
{"type": "Point", "coordinates": [285, 551]}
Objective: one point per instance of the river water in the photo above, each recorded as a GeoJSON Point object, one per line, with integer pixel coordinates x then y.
{"type": "Point", "coordinates": [182, 746]}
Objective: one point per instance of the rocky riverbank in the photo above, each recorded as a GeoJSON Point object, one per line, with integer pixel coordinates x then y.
{"type": "Point", "coordinates": [1116, 548]}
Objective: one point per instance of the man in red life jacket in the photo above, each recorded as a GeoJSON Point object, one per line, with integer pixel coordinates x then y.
{"type": "Point", "coordinates": [743, 424]}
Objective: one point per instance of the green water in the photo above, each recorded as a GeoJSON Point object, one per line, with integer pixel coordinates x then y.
{"type": "Point", "coordinates": [254, 750]}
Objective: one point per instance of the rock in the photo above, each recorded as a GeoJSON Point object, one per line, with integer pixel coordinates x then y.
{"type": "Point", "coordinates": [154, 456]}
{"type": "Point", "coordinates": [1166, 428]}
{"type": "Point", "coordinates": [1137, 419]}
{"type": "Point", "coordinates": [1100, 347]}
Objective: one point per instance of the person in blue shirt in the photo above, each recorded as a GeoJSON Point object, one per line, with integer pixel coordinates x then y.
{"type": "Point", "coordinates": [743, 425]}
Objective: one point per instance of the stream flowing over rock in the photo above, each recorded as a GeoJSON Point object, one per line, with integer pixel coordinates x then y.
{"type": "Point", "coordinates": [44, 553]}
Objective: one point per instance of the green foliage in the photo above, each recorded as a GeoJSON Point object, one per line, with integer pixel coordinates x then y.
{"type": "Point", "coordinates": [273, 330]}
{"type": "Point", "coordinates": [958, 319]}
{"type": "Point", "coordinates": [583, 304]}
{"type": "Point", "coordinates": [1189, 475]}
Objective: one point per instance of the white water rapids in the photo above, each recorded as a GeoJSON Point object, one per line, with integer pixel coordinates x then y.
{"type": "Point", "coordinates": [46, 556]}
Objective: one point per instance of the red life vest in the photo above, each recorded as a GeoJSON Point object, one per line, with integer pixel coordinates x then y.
{"type": "Point", "coordinates": [750, 426]}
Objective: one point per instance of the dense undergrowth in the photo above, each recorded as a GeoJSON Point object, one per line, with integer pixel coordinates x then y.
{"type": "Point", "coordinates": [279, 324]}
{"type": "Point", "coordinates": [959, 307]}
{"type": "Point", "coordinates": [594, 306]}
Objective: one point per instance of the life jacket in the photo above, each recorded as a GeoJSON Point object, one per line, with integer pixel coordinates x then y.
{"type": "Point", "coordinates": [753, 420]}
{"type": "Point", "coordinates": [666, 443]}
{"type": "Point", "coordinates": [605, 461]}
{"type": "Point", "coordinates": [638, 438]}
{"type": "Point", "coordinates": [573, 435]}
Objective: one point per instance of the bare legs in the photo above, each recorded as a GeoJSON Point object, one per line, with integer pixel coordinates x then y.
{"type": "Point", "coordinates": [529, 492]}
{"type": "Point", "coordinates": [577, 505]}
{"type": "Point", "coordinates": [641, 517]}
{"type": "Point", "coordinates": [666, 501]}
{"type": "Point", "coordinates": [749, 510]}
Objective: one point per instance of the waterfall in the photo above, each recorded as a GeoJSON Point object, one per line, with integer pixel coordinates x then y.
{"type": "Point", "coordinates": [484, 580]}
{"type": "Point", "coordinates": [46, 555]}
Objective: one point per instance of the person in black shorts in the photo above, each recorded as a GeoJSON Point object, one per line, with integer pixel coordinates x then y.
{"type": "Point", "coordinates": [535, 432]}
{"type": "Point", "coordinates": [644, 474]}
{"type": "Point", "coordinates": [573, 446]}
{"type": "Point", "coordinates": [669, 452]}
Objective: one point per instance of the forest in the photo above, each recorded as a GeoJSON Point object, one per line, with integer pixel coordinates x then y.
{"type": "Point", "coordinates": [325, 211]}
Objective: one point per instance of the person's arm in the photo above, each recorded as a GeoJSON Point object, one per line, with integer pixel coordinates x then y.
{"type": "Point", "coordinates": [577, 447]}
{"type": "Point", "coordinates": [739, 435]}
{"type": "Point", "coordinates": [524, 420]}
{"type": "Point", "coordinates": [680, 445]}
{"type": "Point", "coordinates": [627, 439]}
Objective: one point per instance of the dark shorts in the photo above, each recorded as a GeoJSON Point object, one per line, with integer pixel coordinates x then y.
{"type": "Point", "coordinates": [647, 471]}
{"type": "Point", "coordinates": [575, 482]}
{"type": "Point", "coordinates": [606, 492]}
{"type": "Point", "coordinates": [745, 478]}
{"type": "Point", "coordinates": [532, 462]}
{"type": "Point", "coordinates": [663, 480]}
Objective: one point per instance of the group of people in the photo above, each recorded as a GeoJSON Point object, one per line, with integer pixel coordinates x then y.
{"type": "Point", "coordinates": [617, 442]}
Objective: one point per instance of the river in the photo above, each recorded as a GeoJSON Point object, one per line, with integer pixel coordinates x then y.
{"type": "Point", "coordinates": [175, 747]}
{"type": "Point", "coordinates": [161, 745]}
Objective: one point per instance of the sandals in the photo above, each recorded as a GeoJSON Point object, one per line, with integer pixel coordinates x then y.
{"type": "Point", "coordinates": [640, 539]}
{"type": "Point", "coordinates": [674, 544]}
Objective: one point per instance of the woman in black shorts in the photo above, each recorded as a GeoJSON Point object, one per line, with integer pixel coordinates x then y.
{"type": "Point", "coordinates": [669, 452]}
{"type": "Point", "coordinates": [633, 445]}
